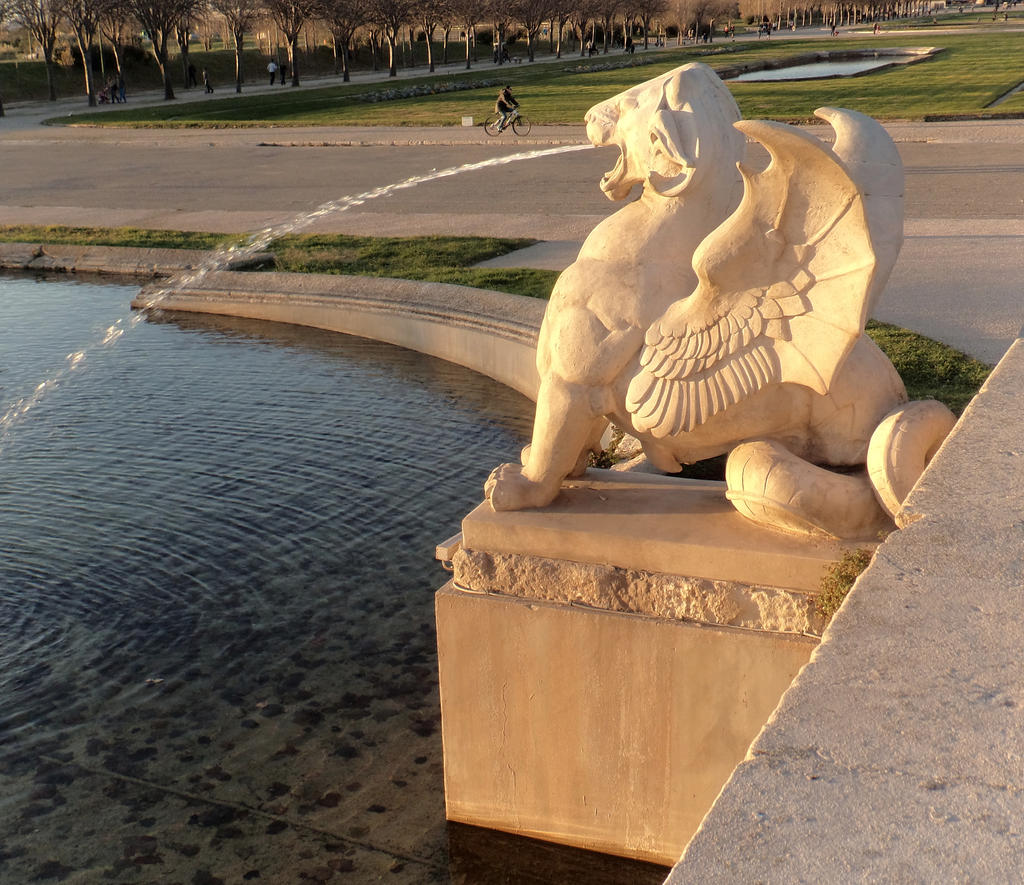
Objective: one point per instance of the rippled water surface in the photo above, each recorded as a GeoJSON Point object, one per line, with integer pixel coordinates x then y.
{"type": "Point", "coordinates": [217, 656]}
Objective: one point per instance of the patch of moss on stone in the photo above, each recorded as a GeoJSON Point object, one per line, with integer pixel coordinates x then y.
{"type": "Point", "coordinates": [839, 579]}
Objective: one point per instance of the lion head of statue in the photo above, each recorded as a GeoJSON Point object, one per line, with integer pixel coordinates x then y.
{"type": "Point", "coordinates": [668, 130]}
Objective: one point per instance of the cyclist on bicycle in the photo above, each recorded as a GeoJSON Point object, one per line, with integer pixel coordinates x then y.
{"type": "Point", "coordinates": [505, 104]}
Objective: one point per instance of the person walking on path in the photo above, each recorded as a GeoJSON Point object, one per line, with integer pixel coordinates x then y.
{"type": "Point", "coordinates": [206, 81]}
{"type": "Point", "coordinates": [284, 72]}
{"type": "Point", "coordinates": [272, 70]}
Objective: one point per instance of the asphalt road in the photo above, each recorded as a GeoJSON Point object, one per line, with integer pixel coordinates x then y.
{"type": "Point", "coordinates": [959, 278]}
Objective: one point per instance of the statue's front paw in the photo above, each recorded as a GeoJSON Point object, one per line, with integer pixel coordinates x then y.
{"type": "Point", "coordinates": [507, 489]}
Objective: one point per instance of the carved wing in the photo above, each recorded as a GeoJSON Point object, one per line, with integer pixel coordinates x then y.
{"type": "Point", "coordinates": [781, 294]}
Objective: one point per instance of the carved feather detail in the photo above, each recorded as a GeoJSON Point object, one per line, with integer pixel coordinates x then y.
{"type": "Point", "coordinates": [781, 296]}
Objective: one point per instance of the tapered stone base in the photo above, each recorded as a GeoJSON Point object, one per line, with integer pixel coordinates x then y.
{"type": "Point", "coordinates": [604, 730]}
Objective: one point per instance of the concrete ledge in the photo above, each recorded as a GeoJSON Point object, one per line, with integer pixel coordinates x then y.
{"type": "Point", "coordinates": [490, 332]}
{"type": "Point", "coordinates": [122, 260]}
{"type": "Point", "coordinates": [896, 754]}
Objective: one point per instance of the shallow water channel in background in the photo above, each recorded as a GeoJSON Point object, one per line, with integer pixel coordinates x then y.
{"type": "Point", "coordinates": [817, 70]}
{"type": "Point", "coordinates": [217, 654]}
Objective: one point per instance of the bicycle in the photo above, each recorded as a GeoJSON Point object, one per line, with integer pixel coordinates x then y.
{"type": "Point", "coordinates": [520, 125]}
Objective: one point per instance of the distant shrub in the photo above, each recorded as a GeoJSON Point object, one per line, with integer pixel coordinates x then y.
{"type": "Point", "coordinates": [627, 62]}
{"type": "Point", "coordinates": [400, 92]}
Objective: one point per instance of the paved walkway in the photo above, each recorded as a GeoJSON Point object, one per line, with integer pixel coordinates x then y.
{"type": "Point", "coordinates": [958, 278]}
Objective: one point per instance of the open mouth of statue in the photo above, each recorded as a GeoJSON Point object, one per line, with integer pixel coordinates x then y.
{"type": "Point", "coordinates": [612, 179]}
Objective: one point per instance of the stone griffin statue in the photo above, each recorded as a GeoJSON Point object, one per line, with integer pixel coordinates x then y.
{"type": "Point", "coordinates": [757, 351]}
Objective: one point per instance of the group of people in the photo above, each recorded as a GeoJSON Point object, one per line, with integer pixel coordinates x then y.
{"type": "Point", "coordinates": [192, 78]}
{"type": "Point", "coordinates": [114, 91]}
{"type": "Point", "coordinates": [274, 69]}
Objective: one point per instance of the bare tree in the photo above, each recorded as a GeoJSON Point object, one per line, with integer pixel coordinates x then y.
{"type": "Point", "coordinates": [561, 16]}
{"type": "Point", "coordinates": [290, 16]}
{"type": "Point", "coordinates": [467, 13]}
{"type": "Point", "coordinates": [605, 11]}
{"type": "Point", "coordinates": [159, 19]}
{"type": "Point", "coordinates": [82, 16]}
{"type": "Point", "coordinates": [389, 16]}
{"type": "Point", "coordinates": [647, 11]}
{"type": "Point", "coordinates": [344, 18]}
{"type": "Point", "coordinates": [41, 18]}
{"type": "Point", "coordinates": [428, 13]}
{"type": "Point", "coordinates": [240, 16]}
{"type": "Point", "coordinates": [581, 17]}
{"type": "Point", "coordinates": [698, 13]}
{"type": "Point", "coordinates": [531, 14]}
{"type": "Point", "coordinates": [503, 21]}
{"type": "Point", "coordinates": [182, 36]}
{"type": "Point", "coordinates": [446, 20]}
{"type": "Point", "coordinates": [114, 24]}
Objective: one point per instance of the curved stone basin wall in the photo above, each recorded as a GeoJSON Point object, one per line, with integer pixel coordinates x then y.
{"type": "Point", "coordinates": [492, 333]}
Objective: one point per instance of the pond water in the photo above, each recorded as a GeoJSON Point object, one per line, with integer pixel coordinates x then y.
{"type": "Point", "coordinates": [817, 70]}
{"type": "Point", "coordinates": [217, 653]}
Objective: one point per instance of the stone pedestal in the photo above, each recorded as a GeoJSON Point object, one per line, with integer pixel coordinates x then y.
{"type": "Point", "coordinates": [581, 702]}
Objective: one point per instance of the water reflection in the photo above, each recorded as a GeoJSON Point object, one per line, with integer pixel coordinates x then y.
{"type": "Point", "coordinates": [217, 654]}
{"type": "Point", "coordinates": [478, 856]}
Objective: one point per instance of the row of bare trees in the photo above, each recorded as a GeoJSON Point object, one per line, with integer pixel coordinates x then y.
{"type": "Point", "coordinates": [800, 13]}
{"type": "Point", "coordinates": [387, 23]}
{"type": "Point", "coordinates": [166, 23]}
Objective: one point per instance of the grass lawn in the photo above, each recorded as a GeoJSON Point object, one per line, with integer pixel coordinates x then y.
{"type": "Point", "coordinates": [113, 236]}
{"type": "Point", "coordinates": [437, 259]}
{"type": "Point", "coordinates": [973, 70]}
{"type": "Point", "coordinates": [928, 368]}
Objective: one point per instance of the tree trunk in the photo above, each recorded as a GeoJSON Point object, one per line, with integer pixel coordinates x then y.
{"type": "Point", "coordinates": [181, 35]}
{"type": "Point", "coordinates": [392, 51]}
{"type": "Point", "coordinates": [239, 44]}
{"type": "Point", "coordinates": [160, 53]}
{"type": "Point", "coordinates": [428, 30]}
{"type": "Point", "coordinates": [118, 51]}
{"type": "Point", "coordinates": [51, 83]}
{"type": "Point", "coordinates": [85, 47]}
{"type": "Point", "coordinates": [293, 56]}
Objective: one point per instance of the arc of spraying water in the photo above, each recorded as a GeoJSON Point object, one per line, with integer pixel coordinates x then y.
{"type": "Point", "coordinates": [76, 360]}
